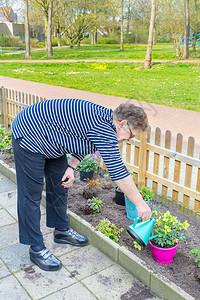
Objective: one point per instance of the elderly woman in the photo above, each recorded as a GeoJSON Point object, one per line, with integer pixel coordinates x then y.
{"type": "Point", "coordinates": [42, 136]}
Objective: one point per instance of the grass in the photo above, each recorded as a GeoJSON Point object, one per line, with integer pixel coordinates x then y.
{"type": "Point", "coordinates": [160, 51]}
{"type": "Point", "coordinates": [169, 84]}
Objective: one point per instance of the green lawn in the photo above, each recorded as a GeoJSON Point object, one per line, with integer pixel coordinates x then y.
{"type": "Point", "coordinates": [160, 51]}
{"type": "Point", "coordinates": [176, 85]}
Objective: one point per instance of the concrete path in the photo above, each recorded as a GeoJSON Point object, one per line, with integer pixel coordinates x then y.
{"type": "Point", "coordinates": [87, 273]}
{"type": "Point", "coordinates": [98, 60]}
{"type": "Point", "coordinates": [167, 118]}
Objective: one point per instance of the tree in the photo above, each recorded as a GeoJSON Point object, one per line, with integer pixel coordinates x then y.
{"type": "Point", "coordinates": [187, 30]}
{"type": "Point", "coordinates": [122, 27]}
{"type": "Point", "coordinates": [44, 4]}
{"type": "Point", "coordinates": [27, 31]}
{"type": "Point", "coordinates": [147, 64]}
{"type": "Point", "coordinates": [49, 30]}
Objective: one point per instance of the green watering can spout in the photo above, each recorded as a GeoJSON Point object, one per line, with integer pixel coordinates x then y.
{"type": "Point", "coordinates": [141, 231]}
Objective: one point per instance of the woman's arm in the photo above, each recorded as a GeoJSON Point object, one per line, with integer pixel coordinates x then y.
{"type": "Point", "coordinates": [128, 187]}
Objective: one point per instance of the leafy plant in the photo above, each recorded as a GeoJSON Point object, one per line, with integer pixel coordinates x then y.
{"type": "Point", "coordinates": [109, 229]}
{"type": "Point", "coordinates": [6, 141]}
{"type": "Point", "coordinates": [168, 229]}
{"type": "Point", "coordinates": [92, 183]}
{"type": "Point", "coordinates": [95, 204]}
{"type": "Point", "coordinates": [147, 194]}
{"type": "Point", "coordinates": [137, 246]}
{"type": "Point", "coordinates": [196, 253]}
{"type": "Point", "coordinates": [88, 163]}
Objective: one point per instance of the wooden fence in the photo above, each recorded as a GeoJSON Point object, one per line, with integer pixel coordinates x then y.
{"type": "Point", "coordinates": [168, 171]}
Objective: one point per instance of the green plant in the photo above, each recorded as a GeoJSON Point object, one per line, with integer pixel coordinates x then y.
{"type": "Point", "coordinates": [196, 253]}
{"type": "Point", "coordinates": [168, 229]}
{"type": "Point", "coordinates": [95, 204]}
{"type": "Point", "coordinates": [6, 141]}
{"type": "Point", "coordinates": [88, 163]}
{"type": "Point", "coordinates": [147, 194]}
{"type": "Point", "coordinates": [109, 229]}
{"type": "Point", "coordinates": [137, 246]}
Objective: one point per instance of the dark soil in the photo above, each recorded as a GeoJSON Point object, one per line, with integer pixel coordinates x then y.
{"type": "Point", "coordinates": [182, 271]}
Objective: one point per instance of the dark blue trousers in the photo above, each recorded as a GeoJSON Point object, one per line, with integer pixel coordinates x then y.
{"type": "Point", "coordinates": [31, 169]}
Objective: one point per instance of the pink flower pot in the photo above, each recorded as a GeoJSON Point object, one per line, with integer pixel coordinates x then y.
{"type": "Point", "coordinates": [163, 255]}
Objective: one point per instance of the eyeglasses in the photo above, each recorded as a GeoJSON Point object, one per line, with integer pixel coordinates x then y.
{"type": "Point", "coordinates": [131, 134]}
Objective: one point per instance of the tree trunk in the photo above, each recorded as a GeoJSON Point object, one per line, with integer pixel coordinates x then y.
{"type": "Point", "coordinates": [128, 17]}
{"type": "Point", "coordinates": [95, 37]}
{"type": "Point", "coordinates": [92, 38]}
{"type": "Point", "coordinates": [122, 33]}
{"type": "Point", "coordinates": [59, 40]}
{"type": "Point", "coordinates": [27, 31]}
{"type": "Point", "coordinates": [187, 31]}
{"type": "Point", "coordinates": [46, 31]}
{"type": "Point", "coordinates": [49, 30]}
{"type": "Point", "coordinates": [147, 64]}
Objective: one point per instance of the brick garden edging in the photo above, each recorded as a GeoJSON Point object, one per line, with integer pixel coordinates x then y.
{"type": "Point", "coordinates": [158, 284]}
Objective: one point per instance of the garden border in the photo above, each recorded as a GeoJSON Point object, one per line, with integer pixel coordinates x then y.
{"type": "Point", "coordinates": [158, 284]}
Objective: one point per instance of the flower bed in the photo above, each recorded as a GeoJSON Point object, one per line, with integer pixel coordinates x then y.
{"type": "Point", "coordinates": [181, 271]}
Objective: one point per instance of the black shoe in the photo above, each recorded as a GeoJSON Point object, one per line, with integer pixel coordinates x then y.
{"type": "Point", "coordinates": [45, 260]}
{"type": "Point", "coordinates": [71, 237]}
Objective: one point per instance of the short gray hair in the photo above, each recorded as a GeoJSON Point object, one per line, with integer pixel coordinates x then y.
{"type": "Point", "coordinates": [134, 115]}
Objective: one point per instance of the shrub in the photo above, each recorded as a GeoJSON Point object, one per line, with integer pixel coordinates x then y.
{"type": "Point", "coordinates": [34, 43]}
{"type": "Point", "coordinates": [95, 204]}
{"type": "Point", "coordinates": [11, 41]}
{"type": "Point", "coordinates": [109, 229]}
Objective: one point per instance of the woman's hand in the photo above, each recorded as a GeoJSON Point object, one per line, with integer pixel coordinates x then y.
{"type": "Point", "coordinates": [68, 178]}
{"type": "Point", "coordinates": [144, 210]}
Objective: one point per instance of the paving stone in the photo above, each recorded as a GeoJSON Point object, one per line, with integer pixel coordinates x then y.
{"type": "Point", "coordinates": [57, 249]}
{"type": "Point", "coordinates": [43, 227]}
{"type": "Point", "coordinates": [3, 269]}
{"type": "Point", "coordinates": [9, 235]}
{"type": "Point", "coordinates": [6, 184]}
{"type": "Point", "coordinates": [10, 288]}
{"type": "Point", "coordinates": [39, 283]}
{"type": "Point", "coordinates": [85, 261]}
{"type": "Point", "coordinates": [16, 257]}
{"type": "Point", "coordinates": [74, 292]}
{"type": "Point", "coordinates": [6, 218]}
{"type": "Point", "coordinates": [8, 198]}
{"type": "Point", "coordinates": [114, 283]}
{"type": "Point", "coordinates": [12, 209]}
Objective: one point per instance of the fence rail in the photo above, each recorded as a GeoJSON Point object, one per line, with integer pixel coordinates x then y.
{"type": "Point", "coordinates": [168, 171]}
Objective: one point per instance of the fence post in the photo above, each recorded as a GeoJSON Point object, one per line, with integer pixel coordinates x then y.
{"type": "Point", "coordinates": [2, 105]}
{"type": "Point", "coordinates": [142, 159]}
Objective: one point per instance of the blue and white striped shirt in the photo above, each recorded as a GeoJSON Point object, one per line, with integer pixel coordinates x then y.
{"type": "Point", "coordinates": [56, 127]}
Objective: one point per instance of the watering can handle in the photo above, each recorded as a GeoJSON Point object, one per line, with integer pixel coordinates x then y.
{"type": "Point", "coordinates": [137, 219]}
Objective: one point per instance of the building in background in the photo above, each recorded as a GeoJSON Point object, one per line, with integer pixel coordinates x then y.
{"type": "Point", "coordinates": [9, 25]}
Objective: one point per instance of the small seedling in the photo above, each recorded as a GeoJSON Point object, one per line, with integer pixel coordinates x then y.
{"type": "Point", "coordinates": [109, 229]}
{"type": "Point", "coordinates": [95, 204]}
{"type": "Point", "coordinates": [93, 183]}
{"type": "Point", "coordinates": [137, 246]}
{"type": "Point", "coordinates": [196, 253]}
